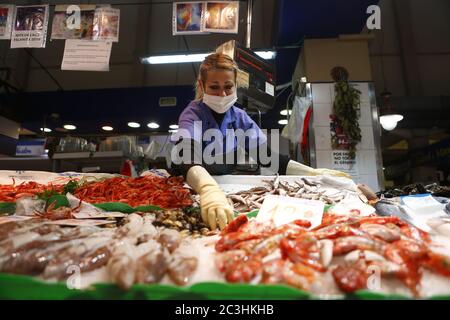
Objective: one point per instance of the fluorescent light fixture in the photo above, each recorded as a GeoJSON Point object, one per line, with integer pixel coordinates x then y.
{"type": "Point", "coordinates": [173, 130]}
{"type": "Point", "coordinates": [176, 58]}
{"type": "Point", "coordinates": [284, 112]}
{"type": "Point", "coordinates": [69, 127]}
{"type": "Point", "coordinates": [389, 122]}
{"type": "Point", "coordinates": [107, 128]}
{"type": "Point", "coordinates": [46, 129]}
{"type": "Point", "coordinates": [196, 57]}
{"type": "Point", "coordinates": [153, 125]}
{"type": "Point", "coordinates": [283, 122]}
{"type": "Point", "coordinates": [268, 55]}
{"type": "Point", "coordinates": [173, 126]}
{"type": "Point", "coordinates": [133, 125]}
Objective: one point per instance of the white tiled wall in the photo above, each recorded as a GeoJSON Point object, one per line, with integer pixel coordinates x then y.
{"type": "Point", "coordinates": [322, 137]}
{"type": "Point", "coordinates": [322, 93]}
{"type": "Point", "coordinates": [323, 97]}
{"type": "Point", "coordinates": [368, 159]}
{"type": "Point", "coordinates": [322, 113]}
{"type": "Point", "coordinates": [366, 114]}
{"type": "Point", "coordinates": [364, 88]}
{"type": "Point", "coordinates": [367, 139]}
{"type": "Point", "coordinates": [323, 158]}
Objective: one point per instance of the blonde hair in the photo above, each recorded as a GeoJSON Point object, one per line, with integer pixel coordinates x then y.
{"type": "Point", "coordinates": [215, 61]}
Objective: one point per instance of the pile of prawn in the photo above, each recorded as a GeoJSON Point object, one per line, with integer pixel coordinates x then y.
{"type": "Point", "coordinates": [294, 254]}
{"type": "Point", "coordinates": [12, 192]}
{"type": "Point", "coordinates": [168, 193]}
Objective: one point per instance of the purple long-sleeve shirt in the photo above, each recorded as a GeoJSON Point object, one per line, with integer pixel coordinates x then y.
{"type": "Point", "coordinates": [235, 118]}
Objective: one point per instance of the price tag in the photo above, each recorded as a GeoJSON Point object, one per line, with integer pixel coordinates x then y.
{"type": "Point", "coordinates": [282, 210]}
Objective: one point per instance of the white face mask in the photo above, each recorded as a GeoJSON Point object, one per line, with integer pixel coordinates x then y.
{"type": "Point", "coordinates": [220, 104]}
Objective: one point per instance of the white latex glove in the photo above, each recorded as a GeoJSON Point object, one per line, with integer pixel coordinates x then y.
{"type": "Point", "coordinates": [214, 206]}
{"type": "Point", "coordinates": [297, 169]}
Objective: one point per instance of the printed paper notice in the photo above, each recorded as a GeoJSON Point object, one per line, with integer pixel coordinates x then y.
{"type": "Point", "coordinates": [30, 27]}
{"type": "Point", "coordinates": [6, 17]}
{"type": "Point", "coordinates": [82, 55]}
{"type": "Point", "coordinates": [106, 24]}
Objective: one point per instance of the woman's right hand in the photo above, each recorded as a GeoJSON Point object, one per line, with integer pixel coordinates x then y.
{"type": "Point", "coordinates": [214, 206]}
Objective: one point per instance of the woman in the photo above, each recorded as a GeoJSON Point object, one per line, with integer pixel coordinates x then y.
{"type": "Point", "coordinates": [214, 108]}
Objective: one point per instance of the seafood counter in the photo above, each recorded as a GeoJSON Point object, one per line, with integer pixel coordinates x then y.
{"type": "Point", "coordinates": [129, 232]}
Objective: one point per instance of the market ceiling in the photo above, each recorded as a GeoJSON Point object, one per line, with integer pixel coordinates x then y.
{"type": "Point", "coordinates": [294, 21]}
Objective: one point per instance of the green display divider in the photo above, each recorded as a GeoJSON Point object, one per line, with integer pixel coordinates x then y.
{"type": "Point", "coordinates": [19, 287]}
{"type": "Point", "coordinates": [62, 201]}
{"type": "Point", "coordinates": [251, 214]}
{"type": "Point", "coordinates": [218, 291]}
{"type": "Point", "coordinates": [59, 200]}
{"type": "Point", "coordinates": [26, 287]}
{"type": "Point", "coordinates": [370, 295]}
{"type": "Point", "coordinates": [7, 207]}
{"type": "Point", "coordinates": [440, 297]}
{"type": "Point", "coordinates": [124, 208]}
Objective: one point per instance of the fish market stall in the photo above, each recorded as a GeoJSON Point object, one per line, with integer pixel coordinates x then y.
{"type": "Point", "coordinates": [101, 236]}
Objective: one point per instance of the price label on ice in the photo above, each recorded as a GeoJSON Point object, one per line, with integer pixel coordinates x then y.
{"type": "Point", "coordinates": [282, 210]}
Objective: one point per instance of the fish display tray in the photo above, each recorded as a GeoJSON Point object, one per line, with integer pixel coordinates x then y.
{"type": "Point", "coordinates": [27, 287]}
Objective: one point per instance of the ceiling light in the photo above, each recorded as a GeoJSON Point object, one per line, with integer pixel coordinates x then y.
{"type": "Point", "coordinates": [46, 129]}
{"type": "Point", "coordinates": [283, 122]}
{"type": "Point", "coordinates": [173, 130]}
{"type": "Point", "coordinates": [107, 128]}
{"type": "Point", "coordinates": [197, 57]}
{"type": "Point", "coordinates": [69, 127]}
{"type": "Point", "coordinates": [388, 117]}
{"type": "Point", "coordinates": [175, 58]}
{"type": "Point", "coordinates": [173, 126]}
{"type": "Point", "coordinates": [285, 112]}
{"type": "Point", "coordinates": [268, 55]}
{"type": "Point", "coordinates": [134, 125]}
{"type": "Point", "coordinates": [389, 121]}
{"type": "Point", "coordinates": [153, 125]}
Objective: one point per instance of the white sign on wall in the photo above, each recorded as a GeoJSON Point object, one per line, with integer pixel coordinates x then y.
{"type": "Point", "coordinates": [342, 161]}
